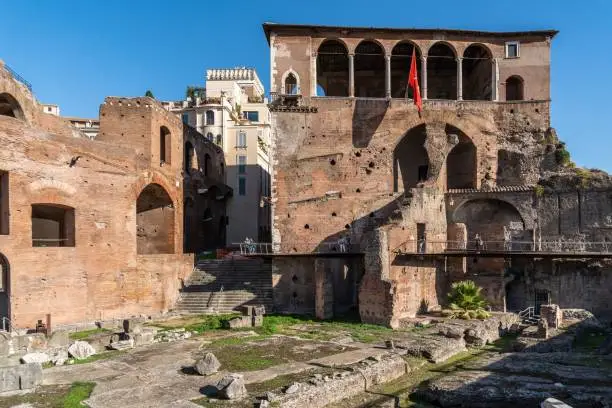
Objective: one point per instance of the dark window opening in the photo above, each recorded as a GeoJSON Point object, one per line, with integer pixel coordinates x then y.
{"type": "Point", "coordinates": [401, 58]}
{"type": "Point", "coordinates": [477, 69]}
{"type": "Point", "coordinates": [421, 238]}
{"type": "Point", "coordinates": [207, 165]}
{"type": "Point", "coordinates": [291, 86]}
{"type": "Point", "coordinates": [369, 70]}
{"type": "Point", "coordinates": [514, 88]}
{"type": "Point", "coordinates": [164, 145]}
{"type": "Point", "coordinates": [461, 162]}
{"type": "Point", "coordinates": [441, 72]}
{"type": "Point", "coordinates": [52, 225]}
{"type": "Point", "coordinates": [410, 160]}
{"type": "Point", "coordinates": [332, 69]}
{"type": "Point", "coordinates": [210, 117]}
{"type": "Point", "coordinates": [154, 221]}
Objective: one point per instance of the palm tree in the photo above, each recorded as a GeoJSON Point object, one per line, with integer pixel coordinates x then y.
{"type": "Point", "coordinates": [466, 301]}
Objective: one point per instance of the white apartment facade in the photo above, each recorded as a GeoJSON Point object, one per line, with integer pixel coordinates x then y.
{"type": "Point", "coordinates": [232, 111]}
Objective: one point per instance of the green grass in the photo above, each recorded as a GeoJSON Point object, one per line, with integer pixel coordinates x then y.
{"type": "Point", "coordinates": [323, 329]}
{"type": "Point", "coordinates": [84, 334]}
{"type": "Point", "coordinates": [198, 324]}
{"type": "Point", "coordinates": [79, 391]}
{"type": "Point", "coordinates": [52, 396]}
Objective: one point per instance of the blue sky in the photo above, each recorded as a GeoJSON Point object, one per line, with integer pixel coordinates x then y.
{"type": "Point", "coordinates": [77, 52]}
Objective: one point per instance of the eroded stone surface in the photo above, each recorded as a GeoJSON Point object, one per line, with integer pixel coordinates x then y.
{"type": "Point", "coordinates": [207, 365]}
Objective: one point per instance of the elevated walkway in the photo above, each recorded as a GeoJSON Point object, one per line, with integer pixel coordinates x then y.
{"type": "Point", "coordinates": [506, 249]}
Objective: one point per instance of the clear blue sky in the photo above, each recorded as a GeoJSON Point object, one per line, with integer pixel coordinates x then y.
{"type": "Point", "coordinates": [77, 52]}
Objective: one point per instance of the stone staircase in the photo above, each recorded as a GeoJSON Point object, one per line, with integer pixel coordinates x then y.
{"type": "Point", "coordinates": [223, 285]}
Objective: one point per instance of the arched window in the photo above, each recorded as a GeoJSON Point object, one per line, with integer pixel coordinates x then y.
{"type": "Point", "coordinates": [401, 58]}
{"type": "Point", "coordinates": [411, 162]}
{"type": "Point", "coordinates": [210, 117]}
{"type": "Point", "coordinates": [154, 221]}
{"type": "Point", "coordinates": [10, 107]}
{"type": "Point", "coordinates": [514, 88]}
{"type": "Point", "coordinates": [52, 225]}
{"type": "Point", "coordinates": [477, 67]}
{"type": "Point", "coordinates": [219, 140]}
{"type": "Point", "coordinates": [332, 69]}
{"type": "Point", "coordinates": [190, 159]}
{"type": "Point", "coordinates": [291, 85]}
{"type": "Point", "coordinates": [461, 162]}
{"type": "Point", "coordinates": [209, 136]}
{"type": "Point", "coordinates": [164, 145]}
{"type": "Point", "coordinates": [207, 165]}
{"type": "Point", "coordinates": [369, 70]}
{"type": "Point", "coordinates": [441, 72]}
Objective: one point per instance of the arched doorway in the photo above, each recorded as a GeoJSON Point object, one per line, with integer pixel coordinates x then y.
{"type": "Point", "coordinates": [411, 162]}
{"type": "Point", "coordinates": [477, 69]}
{"type": "Point", "coordinates": [5, 306]}
{"type": "Point", "coordinates": [401, 58]}
{"type": "Point", "coordinates": [369, 70]}
{"type": "Point", "coordinates": [514, 88]}
{"type": "Point", "coordinates": [461, 162]}
{"type": "Point", "coordinates": [10, 107]}
{"type": "Point", "coordinates": [155, 221]}
{"type": "Point", "coordinates": [441, 72]}
{"type": "Point", "coordinates": [332, 69]}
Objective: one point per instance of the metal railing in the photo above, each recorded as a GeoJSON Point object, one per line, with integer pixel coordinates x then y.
{"type": "Point", "coordinates": [557, 246]}
{"type": "Point", "coordinates": [269, 248]}
{"type": "Point", "coordinates": [18, 77]}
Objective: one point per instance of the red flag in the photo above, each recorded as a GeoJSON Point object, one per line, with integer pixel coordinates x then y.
{"type": "Point", "coordinates": [413, 82]}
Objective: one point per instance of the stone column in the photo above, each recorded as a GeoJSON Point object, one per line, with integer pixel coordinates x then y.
{"type": "Point", "coordinates": [313, 74]}
{"type": "Point", "coordinates": [495, 83]}
{"type": "Point", "coordinates": [459, 79]}
{"type": "Point", "coordinates": [423, 77]}
{"type": "Point", "coordinates": [388, 76]}
{"type": "Point", "coordinates": [351, 61]}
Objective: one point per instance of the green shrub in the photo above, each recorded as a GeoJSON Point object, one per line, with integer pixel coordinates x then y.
{"type": "Point", "coordinates": [539, 190]}
{"type": "Point", "coordinates": [562, 156]}
{"type": "Point", "coordinates": [466, 301]}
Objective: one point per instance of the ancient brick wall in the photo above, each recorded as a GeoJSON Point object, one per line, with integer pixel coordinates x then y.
{"type": "Point", "coordinates": [101, 276]}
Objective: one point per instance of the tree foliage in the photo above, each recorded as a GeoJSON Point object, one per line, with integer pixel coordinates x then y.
{"type": "Point", "coordinates": [149, 94]}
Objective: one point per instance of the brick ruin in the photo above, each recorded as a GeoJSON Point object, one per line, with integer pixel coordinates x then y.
{"type": "Point", "coordinates": [354, 161]}
{"type": "Point", "coordinates": [101, 229]}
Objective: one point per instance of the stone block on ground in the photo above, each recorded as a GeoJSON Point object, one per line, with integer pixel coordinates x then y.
{"type": "Point", "coordinates": [207, 365]}
{"type": "Point", "coordinates": [231, 387]}
{"type": "Point", "coordinates": [144, 338]}
{"type": "Point", "coordinates": [257, 321]}
{"type": "Point", "coordinates": [240, 322]}
{"type": "Point", "coordinates": [36, 357]}
{"type": "Point", "coordinates": [20, 377]}
{"type": "Point", "coordinates": [122, 345]}
{"type": "Point", "coordinates": [81, 350]}
{"type": "Point", "coordinates": [59, 338]}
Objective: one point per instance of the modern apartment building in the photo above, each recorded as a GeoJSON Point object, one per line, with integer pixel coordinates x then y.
{"type": "Point", "coordinates": [232, 111]}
